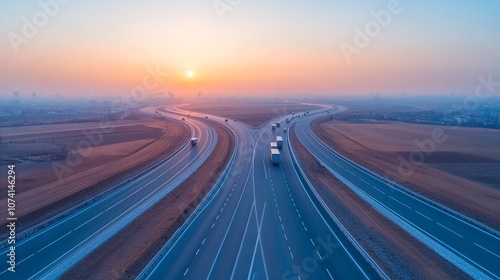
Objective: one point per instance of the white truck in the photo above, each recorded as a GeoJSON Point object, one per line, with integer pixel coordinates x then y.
{"type": "Point", "coordinates": [194, 141]}
{"type": "Point", "coordinates": [273, 126]}
{"type": "Point", "coordinates": [278, 124]}
{"type": "Point", "coordinates": [279, 142]}
{"type": "Point", "coordinates": [274, 145]}
{"type": "Point", "coordinates": [275, 156]}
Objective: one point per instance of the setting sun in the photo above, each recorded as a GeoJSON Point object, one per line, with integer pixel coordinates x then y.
{"type": "Point", "coordinates": [190, 74]}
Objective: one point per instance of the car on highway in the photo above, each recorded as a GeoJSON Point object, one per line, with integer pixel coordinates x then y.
{"type": "Point", "coordinates": [194, 141]}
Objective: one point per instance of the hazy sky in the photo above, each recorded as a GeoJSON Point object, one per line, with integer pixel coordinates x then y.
{"type": "Point", "coordinates": [256, 46]}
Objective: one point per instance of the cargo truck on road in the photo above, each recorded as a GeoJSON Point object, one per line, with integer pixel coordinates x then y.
{"type": "Point", "coordinates": [279, 142]}
{"type": "Point", "coordinates": [275, 156]}
{"type": "Point", "coordinates": [274, 145]}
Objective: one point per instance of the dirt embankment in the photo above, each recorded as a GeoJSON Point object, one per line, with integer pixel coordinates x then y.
{"type": "Point", "coordinates": [458, 167]}
{"type": "Point", "coordinates": [120, 152]}
{"type": "Point", "coordinates": [127, 253]}
{"type": "Point", "coordinates": [399, 254]}
{"type": "Point", "coordinates": [252, 113]}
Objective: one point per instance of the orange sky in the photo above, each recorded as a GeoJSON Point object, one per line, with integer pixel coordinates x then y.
{"type": "Point", "coordinates": [257, 48]}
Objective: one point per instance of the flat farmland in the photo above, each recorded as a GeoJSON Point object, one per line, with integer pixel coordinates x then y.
{"type": "Point", "coordinates": [59, 166]}
{"type": "Point", "coordinates": [253, 113]}
{"type": "Point", "coordinates": [456, 166]}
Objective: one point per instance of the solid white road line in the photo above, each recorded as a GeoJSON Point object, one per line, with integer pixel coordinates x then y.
{"type": "Point", "coordinates": [54, 242]}
{"type": "Point", "coordinates": [423, 215]}
{"type": "Point", "coordinates": [449, 229]}
{"type": "Point", "coordinates": [486, 250]}
{"type": "Point", "coordinates": [399, 202]}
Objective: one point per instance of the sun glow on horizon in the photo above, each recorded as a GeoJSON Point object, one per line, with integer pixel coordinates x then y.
{"type": "Point", "coordinates": [190, 74]}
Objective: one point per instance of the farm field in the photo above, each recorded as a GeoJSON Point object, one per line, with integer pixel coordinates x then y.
{"type": "Point", "coordinates": [458, 167]}
{"type": "Point", "coordinates": [62, 165]}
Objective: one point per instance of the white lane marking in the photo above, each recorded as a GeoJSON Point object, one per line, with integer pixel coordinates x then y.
{"type": "Point", "coordinates": [197, 251]}
{"type": "Point", "coordinates": [53, 242]}
{"type": "Point", "coordinates": [212, 225]}
{"type": "Point", "coordinates": [331, 277]}
{"type": "Point", "coordinates": [486, 250]}
{"type": "Point", "coordinates": [379, 190]}
{"type": "Point", "coordinates": [203, 242]}
{"type": "Point", "coordinates": [364, 181]}
{"type": "Point", "coordinates": [26, 258]}
{"type": "Point", "coordinates": [242, 239]}
{"type": "Point", "coordinates": [319, 255]}
{"type": "Point", "coordinates": [423, 215]}
{"type": "Point", "coordinates": [285, 236]}
{"type": "Point", "coordinates": [312, 242]}
{"type": "Point", "coordinates": [185, 272]}
{"type": "Point", "coordinates": [449, 229]}
{"type": "Point", "coordinates": [399, 202]}
{"type": "Point", "coordinates": [291, 254]}
{"type": "Point", "coordinates": [264, 164]}
{"type": "Point", "coordinates": [280, 218]}
{"type": "Point", "coordinates": [217, 217]}
{"type": "Point", "coordinates": [282, 227]}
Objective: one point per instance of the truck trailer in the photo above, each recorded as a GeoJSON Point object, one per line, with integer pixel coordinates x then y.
{"type": "Point", "coordinates": [194, 141]}
{"type": "Point", "coordinates": [275, 156]}
{"type": "Point", "coordinates": [279, 142]}
{"type": "Point", "coordinates": [274, 145]}
{"type": "Point", "coordinates": [273, 126]}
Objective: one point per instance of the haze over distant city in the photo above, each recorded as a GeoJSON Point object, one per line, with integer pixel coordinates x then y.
{"type": "Point", "coordinates": [248, 47]}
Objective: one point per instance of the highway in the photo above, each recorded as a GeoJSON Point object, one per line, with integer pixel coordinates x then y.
{"type": "Point", "coordinates": [51, 251]}
{"type": "Point", "coordinates": [475, 250]}
{"type": "Point", "coordinates": [262, 224]}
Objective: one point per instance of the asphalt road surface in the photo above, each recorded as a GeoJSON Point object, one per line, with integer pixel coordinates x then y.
{"type": "Point", "coordinates": [261, 225]}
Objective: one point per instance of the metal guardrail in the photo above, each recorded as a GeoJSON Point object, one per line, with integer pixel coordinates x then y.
{"type": "Point", "coordinates": [323, 205]}
{"type": "Point", "coordinates": [181, 230]}
{"type": "Point", "coordinates": [93, 199]}
{"type": "Point", "coordinates": [410, 192]}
